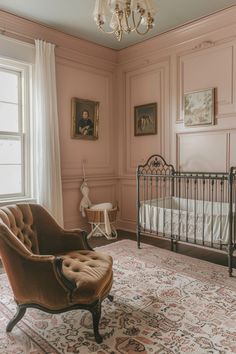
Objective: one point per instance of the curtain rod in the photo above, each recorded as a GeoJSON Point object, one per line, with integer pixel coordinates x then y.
{"type": "Point", "coordinates": [5, 32]}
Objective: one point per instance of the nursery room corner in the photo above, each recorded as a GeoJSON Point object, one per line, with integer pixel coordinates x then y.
{"type": "Point", "coordinates": [117, 176]}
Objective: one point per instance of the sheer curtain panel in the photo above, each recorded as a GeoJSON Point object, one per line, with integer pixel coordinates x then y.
{"type": "Point", "coordinates": [46, 132]}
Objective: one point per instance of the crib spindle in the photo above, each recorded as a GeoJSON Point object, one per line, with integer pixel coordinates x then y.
{"type": "Point", "coordinates": [150, 206]}
{"type": "Point", "coordinates": [234, 207]}
{"type": "Point", "coordinates": [145, 198]}
{"type": "Point", "coordinates": [212, 201]}
{"type": "Point", "coordinates": [203, 213]}
{"type": "Point", "coordinates": [195, 210]}
{"type": "Point", "coordinates": [187, 205]}
{"type": "Point", "coordinates": [164, 205]}
{"type": "Point", "coordinates": [157, 203]}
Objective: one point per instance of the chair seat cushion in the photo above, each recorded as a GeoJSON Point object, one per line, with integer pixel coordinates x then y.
{"type": "Point", "coordinates": [91, 272]}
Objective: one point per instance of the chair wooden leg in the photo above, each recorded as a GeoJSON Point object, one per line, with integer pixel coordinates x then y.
{"type": "Point", "coordinates": [110, 297]}
{"type": "Point", "coordinates": [96, 313]}
{"type": "Point", "coordinates": [18, 316]}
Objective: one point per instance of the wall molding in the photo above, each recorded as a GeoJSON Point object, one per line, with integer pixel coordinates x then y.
{"type": "Point", "coordinates": [224, 132]}
{"type": "Point", "coordinates": [227, 107]}
{"type": "Point", "coordinates": [204, 45]}
{"type": "Point", "coordinates": [180, 36]}
{"type": "Point", "coordinates": [75, 49]}
{"type": "Point", "coordinates": [104, 163]}
{"type": "Point", "coordinates": [162, 70]}
{"type": "Point", "coordinates": [129, 226]}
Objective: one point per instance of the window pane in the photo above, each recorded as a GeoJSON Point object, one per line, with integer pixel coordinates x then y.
{"type": "Point", "coordinates": [8, 87]}
{"type": "Point", "coordinates": [9, 117]}
{"type": "Point", "coordinates": [10, 151]}
{"type": "Point", "coordinates": [10, 179]}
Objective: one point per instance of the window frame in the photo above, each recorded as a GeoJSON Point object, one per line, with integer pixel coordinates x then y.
{"type": "Point", "coordinates": [24, 70]}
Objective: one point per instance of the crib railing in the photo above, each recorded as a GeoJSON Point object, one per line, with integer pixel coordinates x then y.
{"type": "Point", "coordinates": [192, 207]}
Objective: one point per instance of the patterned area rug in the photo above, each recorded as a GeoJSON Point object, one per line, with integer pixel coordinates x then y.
{"type": "Point", "coordinates": [164, 303]}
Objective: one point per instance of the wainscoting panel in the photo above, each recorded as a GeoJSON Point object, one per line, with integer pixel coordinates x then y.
{"type": "Point", "coordinates": [127, 216]}
{"type": "Point", "coordinates": [206, 68]}
{"type": "Point", "coordinates": [206, 151]}
{"type": "Point", "coordinates": [232, 149]}
{"type": "Point", "coordinates": [101, 191]}
{"type": "Point", "coordinates": [75, 80]}
{"type": "Point", "coordinates": [144, 86]}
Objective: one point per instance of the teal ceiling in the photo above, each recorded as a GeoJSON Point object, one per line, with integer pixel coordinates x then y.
{"type": "Point", "coordinates": [75, 16]}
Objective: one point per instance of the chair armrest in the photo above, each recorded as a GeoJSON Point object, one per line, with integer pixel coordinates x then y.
{"type": "Point", "coordinates": [52, 238]}
{"type": "Point", "coordinates": [77, 235]}
{"type": "Point", "coordinates": [34, 279]}
{"type": "Point", "coordinates": [63, 242]}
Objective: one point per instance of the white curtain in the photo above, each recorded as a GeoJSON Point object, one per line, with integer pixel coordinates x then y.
{"type": "Point", "coordinates": [46, 154]}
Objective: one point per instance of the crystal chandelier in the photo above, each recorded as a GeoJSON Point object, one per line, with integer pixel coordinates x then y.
{"type": "Point", "coordinates": [124, 16]}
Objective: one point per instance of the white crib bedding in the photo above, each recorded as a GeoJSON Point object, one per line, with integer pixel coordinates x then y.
{"type": "Point", "coordinates": [186, 218]}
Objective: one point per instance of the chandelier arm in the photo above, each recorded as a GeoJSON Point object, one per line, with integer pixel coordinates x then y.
{"type": "Point", "coordinates": [107, 32]}
{"type": "Point", "coordinates": [119, 29]}
{"type": "Point", "coordinates": [134, 22]}
{"type": "Point", "coordinates": [128, 29]}
{"type": "Point", "coordinates": [142, 33]}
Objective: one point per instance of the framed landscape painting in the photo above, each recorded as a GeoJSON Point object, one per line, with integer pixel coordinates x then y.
{"type": "Point", "coordinates": [84, 119]}
{"type": "Point", "coordinates": [199, 108]}
{"type": "Point", "coordinates": [145, 119]}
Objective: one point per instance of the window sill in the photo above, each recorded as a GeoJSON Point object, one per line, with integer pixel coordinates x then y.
{"type": "Point", "coordinates": [21, 200]}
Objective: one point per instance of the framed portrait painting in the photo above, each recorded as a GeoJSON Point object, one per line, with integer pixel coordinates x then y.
{"type": "Point", "coordinates": [199, 108]}
{"type": "Point", "coordinates": [145, 119]}
{"type": "Point", "coordinates": [85, 116]}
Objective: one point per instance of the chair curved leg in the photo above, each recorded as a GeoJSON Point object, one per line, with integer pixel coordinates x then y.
{"type": "Point", "coordinates": [110, 297]}
{"type": "Point", "coordinates": [18, 316]}
{"type": "Point", "coordinates": [96, 313]}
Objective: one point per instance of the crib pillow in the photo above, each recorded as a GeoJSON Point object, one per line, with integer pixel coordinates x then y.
{"type": "Point", "coordinates": [102, 206]}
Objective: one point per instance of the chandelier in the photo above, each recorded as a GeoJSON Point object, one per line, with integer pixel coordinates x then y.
{"type": "Point", "coordinates": [124, 16]}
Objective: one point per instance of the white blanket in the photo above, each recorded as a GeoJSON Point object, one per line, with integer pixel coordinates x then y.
{"type": "Point", "coordinates": [186, 218]}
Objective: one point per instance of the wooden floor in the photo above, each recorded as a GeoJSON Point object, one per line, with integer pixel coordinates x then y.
{"type": "Point", "coordinates": [192, 251]}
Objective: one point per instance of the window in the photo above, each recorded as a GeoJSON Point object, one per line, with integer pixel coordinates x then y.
{"type": "Point", "coordinates": [14, 130]}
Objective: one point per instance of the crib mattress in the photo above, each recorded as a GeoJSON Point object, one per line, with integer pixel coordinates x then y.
{"type": "Point", "coordinates": [186, 218]}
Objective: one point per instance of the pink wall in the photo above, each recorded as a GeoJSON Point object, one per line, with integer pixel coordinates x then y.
{"type": "Point", "coordinates": [199, 55]}
{"type": "Point", "coordinates": [194, 57]}
{"type": "Point", "coordinates": [87, 71]}
{"type": "Point", "coordinates": [78, 80]}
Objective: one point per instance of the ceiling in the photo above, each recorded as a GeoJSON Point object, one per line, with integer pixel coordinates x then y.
{"type": "Point", "coordinates": [75, 17]}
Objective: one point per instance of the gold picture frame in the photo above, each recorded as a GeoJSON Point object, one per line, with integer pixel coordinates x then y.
{"type": "Point", "coordinates": [85, 116]}
{"type": "Point", "coordinates": [199, 108]}
{"type": "Point", "coordinates": [145, 119]}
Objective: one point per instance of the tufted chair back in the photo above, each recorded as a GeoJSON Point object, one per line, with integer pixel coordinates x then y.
{"type": "Point", "coordinates": [51, 268]}
{"type": "Point", "coordinates": [19, 219]}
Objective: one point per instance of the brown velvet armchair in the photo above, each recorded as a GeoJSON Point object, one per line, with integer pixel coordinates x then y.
{"type": "Point", "coordinates": [50, 268]}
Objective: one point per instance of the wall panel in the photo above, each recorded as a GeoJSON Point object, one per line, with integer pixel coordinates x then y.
{"type": "Point", "coordinates": [77, 81]}
{"type": "Point", "coordinates": [232, 149]}
{"type": "Point", "coordinates": [206, 68]}
{"type": "Point", "coordinates": [204, 151]}
{"type": "Point", "coordinates": [205, 60]}
{"type": "Point", "coordinates": [101, 191]}
{"type": "Point", "coordinates": [144, 86]}
{"type": "Point", "coordinates": [127, 203]}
